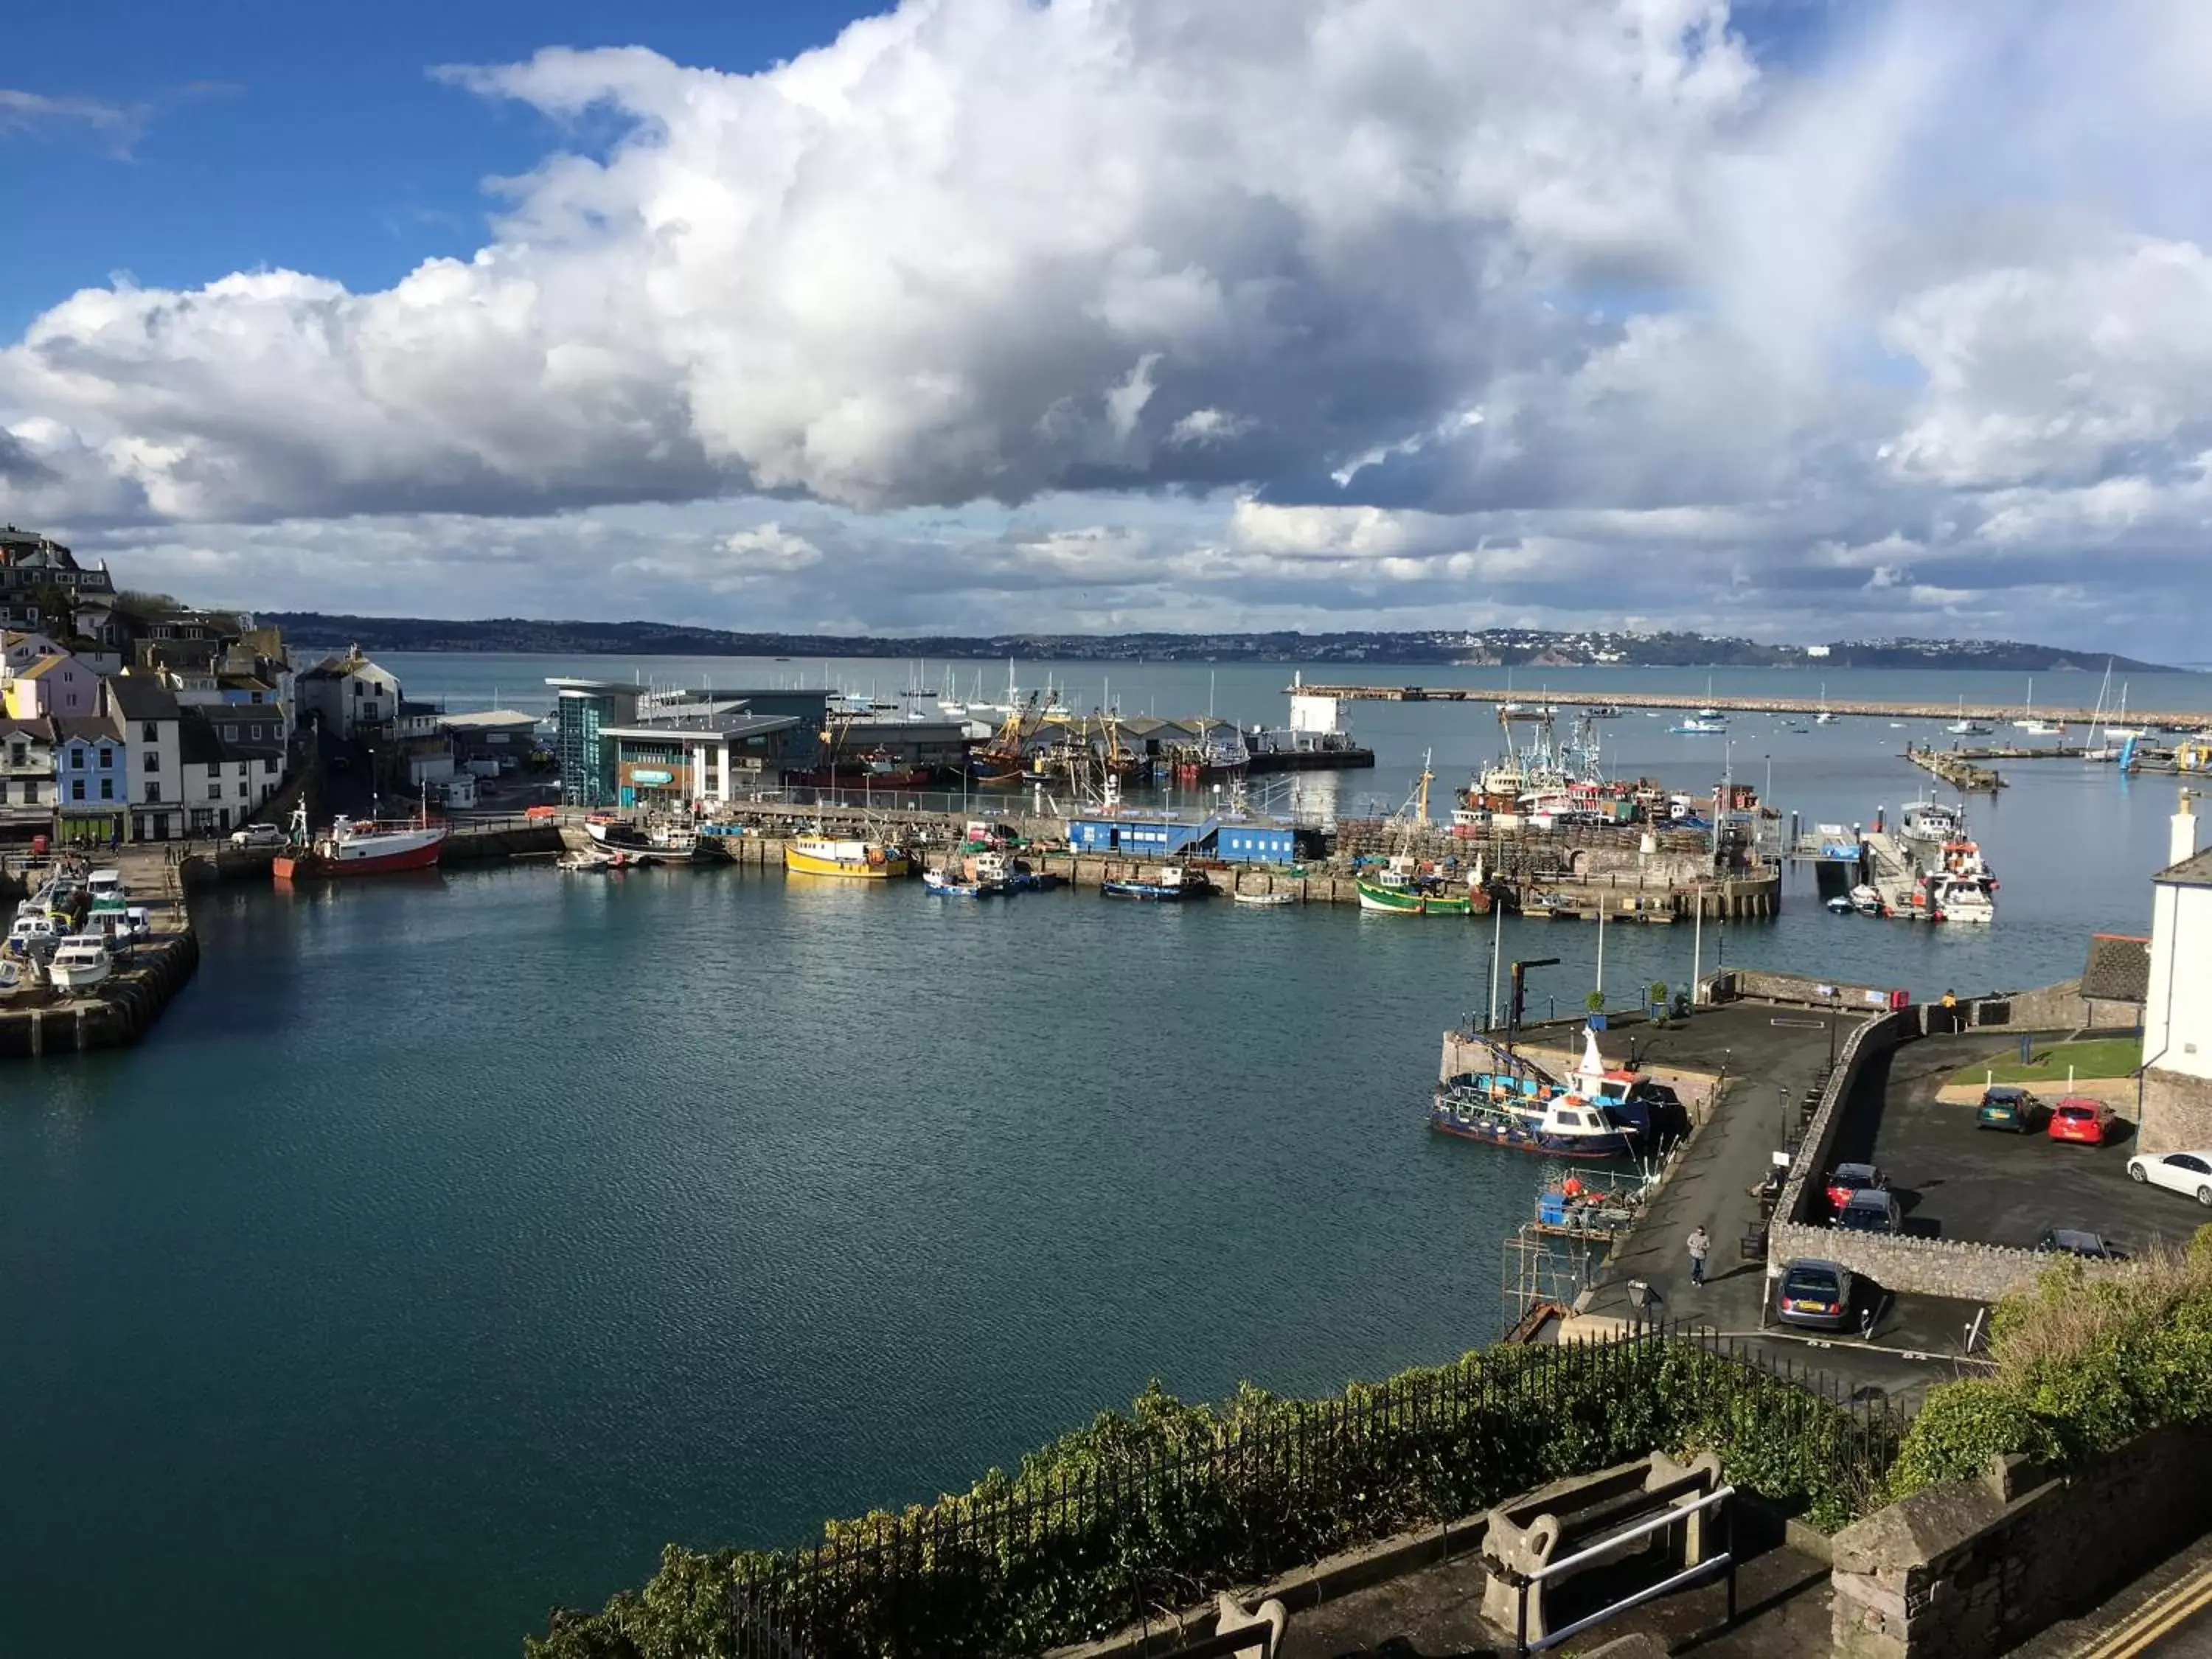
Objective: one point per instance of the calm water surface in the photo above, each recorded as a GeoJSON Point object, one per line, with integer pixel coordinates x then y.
{"type": "Point", "coordinates": [453, 1243]}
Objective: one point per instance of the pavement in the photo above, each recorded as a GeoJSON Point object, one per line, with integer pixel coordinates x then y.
{"type": "Point", "coordinates": [1782, 1607]}
{"type": "Point", "coordinates": [1772, 1055]}
{"type": "Point", "coordinates": [1954, 1179]}
{"type": "Point", "coordinates": [2167, 1612]}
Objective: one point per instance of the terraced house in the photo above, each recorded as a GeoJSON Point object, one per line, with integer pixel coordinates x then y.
{"type": "Point", "coordinates": [27, 781]}
{"type": "Point", "coordinates": [92, 779]}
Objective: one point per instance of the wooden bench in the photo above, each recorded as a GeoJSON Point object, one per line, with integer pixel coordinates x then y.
{"type": "Point", "coordinates": [1579, 1514]}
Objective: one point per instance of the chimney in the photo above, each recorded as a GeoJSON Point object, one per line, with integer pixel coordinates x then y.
{"type": "Point", "coordinates": [2184, 843]}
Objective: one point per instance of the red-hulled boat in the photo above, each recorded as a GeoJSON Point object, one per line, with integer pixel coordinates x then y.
{"type": "Point", "coordinates": [865, 772]}
{"type": "Point", "coordinates": [363, 848]}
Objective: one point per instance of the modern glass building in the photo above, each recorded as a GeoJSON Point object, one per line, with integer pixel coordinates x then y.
{"type": "Point", "coordinates": [583, 708]}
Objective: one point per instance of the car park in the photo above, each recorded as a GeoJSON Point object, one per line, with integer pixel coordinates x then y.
{"type": "Point", "coordinates": [2074, 1241]}
{"type": "Point", "coordinates": [2188, 1173]}
{"type": "Point", "coordinates": [1871, 1210]}
{"type": "Point", "coordinates": [1815, 1293]}
{"type": "Point", "coordinates": [1848, 1178]}
{"type": "Point", "coordinates": [2081, 1120]}
{"type": "Point", "coordinates": [2006, 1107]}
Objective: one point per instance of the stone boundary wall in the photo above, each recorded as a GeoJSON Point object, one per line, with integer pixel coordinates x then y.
{"type": "Point", "coordinates": [2060, 1007]}
{"type": "Point", "coordinates": [1729, 984]}
{"type": "Point", "coordinates": [1975, 1568]}
{"type": "Point", "coordinates": [2177, 1111]}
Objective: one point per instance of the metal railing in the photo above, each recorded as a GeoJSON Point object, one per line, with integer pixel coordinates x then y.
{"type": "Point", "coordinates": [1135, 1524]}
{"type": "Point", "coordinates": [1723, 1560]}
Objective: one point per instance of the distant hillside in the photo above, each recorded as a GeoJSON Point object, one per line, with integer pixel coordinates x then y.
{"type": "Point", "coordinates": [1507, 647]}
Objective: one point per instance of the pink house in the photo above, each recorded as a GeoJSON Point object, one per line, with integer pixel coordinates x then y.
{"type": "Point", "coordinates": [54, 685]}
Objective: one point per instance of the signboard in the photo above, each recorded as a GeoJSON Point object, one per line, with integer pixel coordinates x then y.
{"type": "Point", "coordinates": [646, 777]}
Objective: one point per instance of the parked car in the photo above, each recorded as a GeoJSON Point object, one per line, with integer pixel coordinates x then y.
{"type": "Point", "coordinates": [1816, 1293]}
{"type": "Point", "coordinates": [2007, 1107]}
{"type": "Point", "coordinates": [258, 835]}
{"type": "Point", "coordinates": [1848, 1178]}
{"type": "Point", "coordinates": [2079, 1118]}
{"type": "Point", "coordinates": [1871, 1210]}
{"type": "Point", "coordinates": [2179, 1172]}
{"type": "Point", "coordinates": [2071, 1241]}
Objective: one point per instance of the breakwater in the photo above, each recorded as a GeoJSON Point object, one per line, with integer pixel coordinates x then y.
{"type": "Point", "coordinates": [2174, 720]}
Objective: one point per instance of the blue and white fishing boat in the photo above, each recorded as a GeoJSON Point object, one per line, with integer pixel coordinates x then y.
{"type": "Point", "coordinates": [1598, 1116]}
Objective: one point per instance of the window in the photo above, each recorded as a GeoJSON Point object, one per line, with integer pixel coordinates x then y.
{"type": "Point", "coordinates": [107, 758]}
{"type": "Point", "coordinates": [76, 759]}
{"type": "Point", "coordinates": [269, 763]}
{"type": "Point", "coordinates": [77, 789]}
{"type": "Point", "coordinates": [215, 790]}
{"type": "Point", "coordinates": [153, 793]}
{"type": "Point", "coordinates": [107, 789]}
{"type": "Point", "coordinates": [20, 754]}
{"type": "Point", "coordinates": [152, 760]}
{"type": "Point", "coordinates": [242, 789]}
{"type": "Point", "coordinates": [150, 732]}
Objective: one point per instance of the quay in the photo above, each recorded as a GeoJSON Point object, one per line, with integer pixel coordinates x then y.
{"type": "Point", "coordinates": [1954, 769]}
{"type": "Point", "coordinates": [2172, 719]}
{"type": "Point", "coordinates": [125, 1006]}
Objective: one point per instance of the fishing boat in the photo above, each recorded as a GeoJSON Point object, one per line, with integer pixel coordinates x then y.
{"type": "Point", "coordinates": [823, 855]}
{"type": "Point", "coordinates": [359, 847]}
{"type": "Point", "coordinates": [81, 962]}
{"type": "Point", "coordinates": [1598, 1114]}
{"type": "Point", "coordinates": [877, 770]}
{"type": "Point", "coordinates": [1266, 899]}
{"type": "Point", "coordinates": [1933, 823]}
{"type": "Point", "coordinates": [1169, 883]}
{"type": "Point", "coordinates": [1401, 888]}
{"type": "Point", "coordinates": [981, 875]}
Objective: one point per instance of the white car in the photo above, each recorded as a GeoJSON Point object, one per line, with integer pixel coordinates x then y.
{"type": "Point", "coordinates": [2189, 1173]}
{"type": "Point", "coordinates": [258, 835]}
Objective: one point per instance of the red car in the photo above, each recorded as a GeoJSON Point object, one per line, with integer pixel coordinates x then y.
{"type": "Point", "coordinates": [2078, 1117]}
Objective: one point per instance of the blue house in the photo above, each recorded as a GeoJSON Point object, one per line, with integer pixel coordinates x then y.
{"type": "Point", "coordinates": [91, 778]}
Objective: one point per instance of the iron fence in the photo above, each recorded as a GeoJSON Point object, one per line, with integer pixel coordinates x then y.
{"type": "Point", "coordinates": [1124, 1527]}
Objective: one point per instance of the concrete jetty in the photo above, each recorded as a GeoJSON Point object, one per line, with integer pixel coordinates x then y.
{"type": "Point", "coordinates": [125, 1006]}
{"type": "Point", "coordinates": [1955, 769]}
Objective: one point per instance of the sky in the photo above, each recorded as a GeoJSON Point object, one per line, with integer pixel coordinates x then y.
{"type": "Point", "coordinates": [1796, 319]}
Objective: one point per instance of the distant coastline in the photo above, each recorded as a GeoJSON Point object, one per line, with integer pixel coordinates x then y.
{"type": "Point", "coordinates": [1517, 647]}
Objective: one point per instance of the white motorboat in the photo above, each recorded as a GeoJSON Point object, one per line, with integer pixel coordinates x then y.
{"type": "Point", "coordinates": [81, 962]}
{"type": "Point", "coordinates": [1964, 899]}
{"type": "Point", "coordinates": [38, 925]}
{"type": "Point", "coordinates": [1827, 716]}
{"type": "Point", "coordinates": [1866, 900]}
{"type": "Point", "coordinates": [106, 884]}
{"type": "Point", "coordinates": [1931, 821]}
{"type": "Point", "coordinates": [1267, 898]}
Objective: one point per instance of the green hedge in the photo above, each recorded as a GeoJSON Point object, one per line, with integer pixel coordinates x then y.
{"type": "Point", "coordinates": [2082, 1366]}
{"type": "Point", "coordinates": [1163, 1504]}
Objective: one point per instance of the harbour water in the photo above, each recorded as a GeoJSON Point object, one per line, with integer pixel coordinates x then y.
{"type": "Point", "coordinates": [454, 1242]}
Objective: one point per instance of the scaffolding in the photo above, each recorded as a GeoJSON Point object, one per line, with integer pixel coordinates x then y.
{"type": "Point", "coordinates": [1543, 1270]}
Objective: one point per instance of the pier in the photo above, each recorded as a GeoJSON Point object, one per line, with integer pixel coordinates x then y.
{"type": "Point", "coordinates": [1954, 767]}
{"type": "Point", "coordinates": [2172, 719]}
{"type": "Point", "coordinates": [124, 1007]}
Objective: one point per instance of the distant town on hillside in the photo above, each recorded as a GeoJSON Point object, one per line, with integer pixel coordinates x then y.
{"type": "Point", "coordinates": [1515, 647]}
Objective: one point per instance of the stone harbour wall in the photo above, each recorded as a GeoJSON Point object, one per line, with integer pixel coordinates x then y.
{"type": "Point", "coordinates": [1953, 1267]}
{"type": "Point", "coordinates": [1975, 1568]}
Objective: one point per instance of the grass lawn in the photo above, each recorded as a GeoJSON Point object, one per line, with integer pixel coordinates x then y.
{"type": "Point", "coordinates": [2094, 1057]}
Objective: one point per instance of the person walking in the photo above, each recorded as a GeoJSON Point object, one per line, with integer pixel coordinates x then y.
{"type": "Point", "coordinates": [1701, 1246]}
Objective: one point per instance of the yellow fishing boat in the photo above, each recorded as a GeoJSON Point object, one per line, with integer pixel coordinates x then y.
{"type": "Point", "coordinates": [818, 855]}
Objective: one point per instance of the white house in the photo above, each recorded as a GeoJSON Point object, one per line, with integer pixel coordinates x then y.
{"type": "Point", "coordinates": [222, 786]}
{"type": "Point", "coordinates": [27, 774]}
{"type": "Point", "coordinates": [349, 694]}
{"type": "Point", "coordinates": [2176, 1051]}
{"type": "Point", "coordinates": [146, 715]}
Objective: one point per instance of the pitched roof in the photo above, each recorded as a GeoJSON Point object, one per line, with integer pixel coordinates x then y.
{"type": "Point", "coordinates": [141, 699]}
{"type": "Point", "coordinates": [85, 728]}
{"type": "Point", "coordinates": [2118, 970]}
{"type": "Point", "coordinates": [2190, 872]}
{"type": "Point", "coordinates": [42, 664]}
{"type": "Point", "coordinates": [197, 742]}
